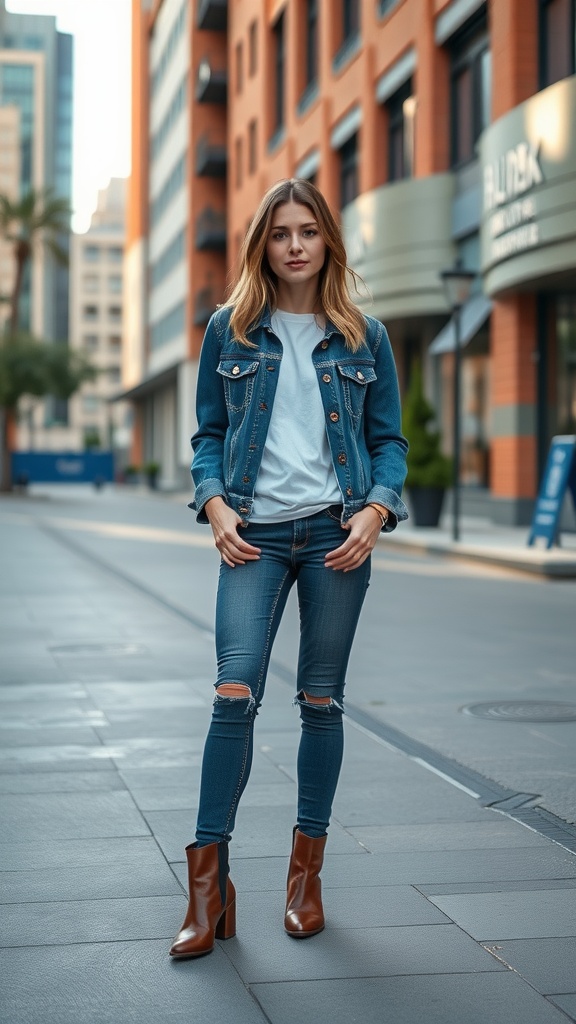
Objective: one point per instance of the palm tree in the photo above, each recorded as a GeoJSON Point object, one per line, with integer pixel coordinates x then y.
{"type": "Point", "coordinates": [38, 217]}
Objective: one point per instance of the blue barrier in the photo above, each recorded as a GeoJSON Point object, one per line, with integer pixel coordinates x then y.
{"type": "Point", "coordinates": [62, 467]}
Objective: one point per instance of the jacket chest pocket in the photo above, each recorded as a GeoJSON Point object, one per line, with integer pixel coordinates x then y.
{"type": "Point", "coordinates": [238, 377]}
{"type": "Point", "coordinates": [355, 378]}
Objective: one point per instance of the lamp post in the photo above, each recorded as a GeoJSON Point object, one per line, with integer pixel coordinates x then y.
{"type": "Point", "coordinates": [457, 283]}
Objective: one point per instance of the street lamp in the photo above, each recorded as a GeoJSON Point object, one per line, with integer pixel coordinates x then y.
{"type": "Point", "coordinates": [457, 283]}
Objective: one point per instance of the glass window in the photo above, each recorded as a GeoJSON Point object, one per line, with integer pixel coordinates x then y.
{"type": "Point", "coordinates": [90, 312]}
{"type": "Point", "coordinates": [401, 109]}
{"type": "Point", "coordinates": [115, 253]}
{"type": "Point", "coordinates": [115, 283]}
{"type": "Point", "coordinates": [90, 282]}
{"type": "Point", "coordinates": [114, 341]}
{"type": "Point", "coordinates": [113, 374]}
{"type": "Point", "coordinates": [348, 171]}
{"type": "Point", "coordinates": [470, 90]}
{"type": "Point", "coordinates": [90, 403]}
{"type": "Point", "coordinates": [115, 313]}
{"type": "Point", "coordinates": [252, 153]}
{"type": "Point", "coordinates": [239, 66]}
{"type": "Point", "coordinates": [252, 48]}
{"type": "Point", "coordinates": [279, 69]}
{"type": "Point", "coordinates": [350, 19]}
{"type": "Point", "coordinates": [557, 40]}
{"type": "Point", "coordinates": [238, 154]}
{"type": "Point", "coordinates": [311, 41]}
{"type": "Point", "coordinates": [90, 341]}
{"type": "Point", "coordinates": [91, 253]}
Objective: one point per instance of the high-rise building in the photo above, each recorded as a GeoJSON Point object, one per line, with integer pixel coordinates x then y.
{"type": "Point", "coordinates": [36, 81]}
{"type": "Point", "coordinates": [444, 131]}
{"type": "Point", "coordinates": [96, 298]}
{"type": "Point", "coordinates": [176, 245]}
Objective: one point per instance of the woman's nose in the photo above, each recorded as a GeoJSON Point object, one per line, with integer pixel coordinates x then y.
{"type": "Point", "coordinates": [295, 245]}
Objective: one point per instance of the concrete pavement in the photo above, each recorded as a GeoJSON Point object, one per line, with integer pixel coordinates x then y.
{"type": "Point", "coordinates": [439, 909]}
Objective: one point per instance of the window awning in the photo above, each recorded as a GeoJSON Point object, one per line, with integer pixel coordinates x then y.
{"type": "Point", "coordinates": [148, 386]}
{"type": "Point", "coordinates": [473, 315]}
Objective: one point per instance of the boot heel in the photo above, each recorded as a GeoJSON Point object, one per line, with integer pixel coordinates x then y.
{"type": "Point", "coordinates": [226, 927]}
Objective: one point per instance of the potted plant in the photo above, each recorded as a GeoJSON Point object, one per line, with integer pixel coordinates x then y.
{"type": "Point", "coordinates": [131, 474]}
{"type": "Point", "coordinates": [151, 470]}
{"type": "Point", "coordinates": [429, 470]}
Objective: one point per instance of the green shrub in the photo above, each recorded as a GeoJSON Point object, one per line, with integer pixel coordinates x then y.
{"type": "Point", "coordinates": [427, 465]}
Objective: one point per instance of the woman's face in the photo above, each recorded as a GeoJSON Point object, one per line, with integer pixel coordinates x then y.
{"type": "Point", "coordinates": [295, 248]}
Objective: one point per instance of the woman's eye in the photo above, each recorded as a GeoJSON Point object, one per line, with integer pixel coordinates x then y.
{"type": "Point", "coordinates": [310, 232]}
{"type": "Point", "coordinates": [278, 236]}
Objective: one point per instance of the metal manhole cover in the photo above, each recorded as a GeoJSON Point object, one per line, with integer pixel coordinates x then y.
{"type": "Point", "coordinates": [109, 649]}
{"type": "Point", "coordinates": [523, 711]}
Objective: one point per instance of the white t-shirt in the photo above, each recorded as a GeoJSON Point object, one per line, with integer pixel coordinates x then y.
{"type": "Point", "coordinates": [296, 476]}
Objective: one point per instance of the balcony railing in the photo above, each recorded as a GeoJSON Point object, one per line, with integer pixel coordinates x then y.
{"type": "Point", "coordinates": [205, 302]}
{"type": "Point", "coordinates": [211, 230]}
{"type": "Point", "coordinates": [211, 83]}
{"type": "Point", "coordinates": [212, 15]}
{"type": "Point", "coordinates": [211, 158]}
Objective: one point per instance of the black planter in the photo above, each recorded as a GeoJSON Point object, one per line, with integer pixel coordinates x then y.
{"type": "Point", "coordinates": [426, 504]}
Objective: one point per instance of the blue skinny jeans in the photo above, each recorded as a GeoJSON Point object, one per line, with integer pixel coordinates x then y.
{"type": "Point", "coordinates": [251, 600]}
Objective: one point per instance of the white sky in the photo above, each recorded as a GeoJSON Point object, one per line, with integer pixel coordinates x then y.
{"type": "Point", "coordinates": [101, 129]}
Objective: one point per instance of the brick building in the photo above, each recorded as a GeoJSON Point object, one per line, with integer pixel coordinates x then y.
{"type": "Point", "coordinates": [442, 129]}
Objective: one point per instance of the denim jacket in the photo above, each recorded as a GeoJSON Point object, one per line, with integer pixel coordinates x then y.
{"type": "Point", "coordinates": [235, 395]}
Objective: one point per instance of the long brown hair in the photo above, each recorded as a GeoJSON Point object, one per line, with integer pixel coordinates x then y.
{"type": "Point", "coordinates": [257, 285]}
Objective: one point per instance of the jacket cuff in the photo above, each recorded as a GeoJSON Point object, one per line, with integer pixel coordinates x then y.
{"type": "Point", "coordinates": [387, 497]}
{"type": "Point", "coordinates": [210, 488]}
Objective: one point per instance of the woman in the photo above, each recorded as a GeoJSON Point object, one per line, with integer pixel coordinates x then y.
{"type": "Point", "coordinates": [298, 440]}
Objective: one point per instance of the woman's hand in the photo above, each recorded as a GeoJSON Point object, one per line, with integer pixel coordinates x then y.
{"type": "Point", "coordinates": [225, 522]}
{"type": "Point", "coordinates": [364, 528]}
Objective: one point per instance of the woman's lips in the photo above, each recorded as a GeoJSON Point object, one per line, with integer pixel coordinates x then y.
{"type": "Point", "coordinates": [296, 263]}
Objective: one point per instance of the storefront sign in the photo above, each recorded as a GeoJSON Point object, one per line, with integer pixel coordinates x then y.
{"type": "Point", "coordinates": [528, 179]}
{"type": "Point", "coordinates": [512, 226]}
{"type": "Point", "coordinates": [559, 476]}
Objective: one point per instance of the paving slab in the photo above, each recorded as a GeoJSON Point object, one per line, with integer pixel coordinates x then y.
{"type": "Point", "coordinates": [488, 834]}
{"type": "Point", "coordinates": [121, 983]}
{"type": "Point", "coordinates": [513, 915]}
{"type": "Point", "coordinates": [567, 1003]}
{"type": "Point", "coordinates": [101, 920]}
{"type": "Point", "coordinates": [60, 782]}
{"type": "Point", "coordinates": [37, 817]}
{"type": "Point", "coordinates": [75, 853]}
{"type": "Point", "coordinates": [456, 999]}
{"type": "Point", "coordinates": [105, 881]}
{"type": "Point", "coordinates": [262, 951]}
{"type": "Point", "coordinates": [548, 964]}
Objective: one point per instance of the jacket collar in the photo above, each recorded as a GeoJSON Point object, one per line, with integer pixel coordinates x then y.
{"type": "Point", "coordinates": [265, 321]}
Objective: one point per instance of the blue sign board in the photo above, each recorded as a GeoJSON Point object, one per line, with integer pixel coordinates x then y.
{"type": "Point", "coordinates": [62, 467]}
{"type": "Point", "coordinates": [559, 476]}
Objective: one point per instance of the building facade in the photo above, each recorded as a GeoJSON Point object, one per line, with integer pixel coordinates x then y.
{"type": "Point", "coordinates": [442, 130]}
{"type": "Point", "coordinates": [176, 246]}
{"type": "Point", "coordinates": [96, 313]}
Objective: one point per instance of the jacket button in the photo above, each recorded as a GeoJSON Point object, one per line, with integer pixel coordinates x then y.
{"type": "Point", "coordinates": [326, 378]}
{"type": "Point", "coordinates": [324, 344]}
{"type": "Point", "coordinates": [360, 375]}
{"type": "Point", "coordinates": [235, 370]}
{"type": "Point", "coordinates": [334, 417]}
{"type": "Point", "coordinates": [271, 368]}
{"type": "Point", "coordinates": [263, 406]}
{"type": "Point", "coordinates": [246, 479]}
{"type": "Point", "coordinates": [342, 458]}
{"type": "Point", "coordinates": [242, 508]}
{"type": "Point", "coordinates": [348, 492]}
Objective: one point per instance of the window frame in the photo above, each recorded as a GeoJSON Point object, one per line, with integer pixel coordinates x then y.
{"type": "Point", "coordinates": [467, 50]}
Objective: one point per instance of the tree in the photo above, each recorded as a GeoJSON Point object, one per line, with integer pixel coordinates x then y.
{"type": "Point", "coordinates": [39, 217]}
{"type": "Point", "coordinates": [28, 365]}
{"type": "Point", "coordinates": [32, 367]}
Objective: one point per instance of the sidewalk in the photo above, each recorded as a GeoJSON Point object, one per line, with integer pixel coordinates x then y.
{"type": "Point", "coordinates": [438, 910]}
{"type": "Point", "coordinates": [484, 541]}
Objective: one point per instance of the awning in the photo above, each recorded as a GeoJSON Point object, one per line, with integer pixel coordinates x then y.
{"type": "Point", "coordinates": [146, 387]}
{"type": "Point", "coordinates": [473, 315]}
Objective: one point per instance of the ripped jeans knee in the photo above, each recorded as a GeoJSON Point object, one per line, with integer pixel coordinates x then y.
{"type": "Point", "coordinates": [232, 693]}
{"type": "Point", "coordinates": [323, 704]}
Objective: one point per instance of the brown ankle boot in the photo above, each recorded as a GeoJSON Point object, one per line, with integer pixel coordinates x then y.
{"type": "Point", "coordinates": [304, 913]}
{"type": "Point", "coordinates": [212, 907]}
